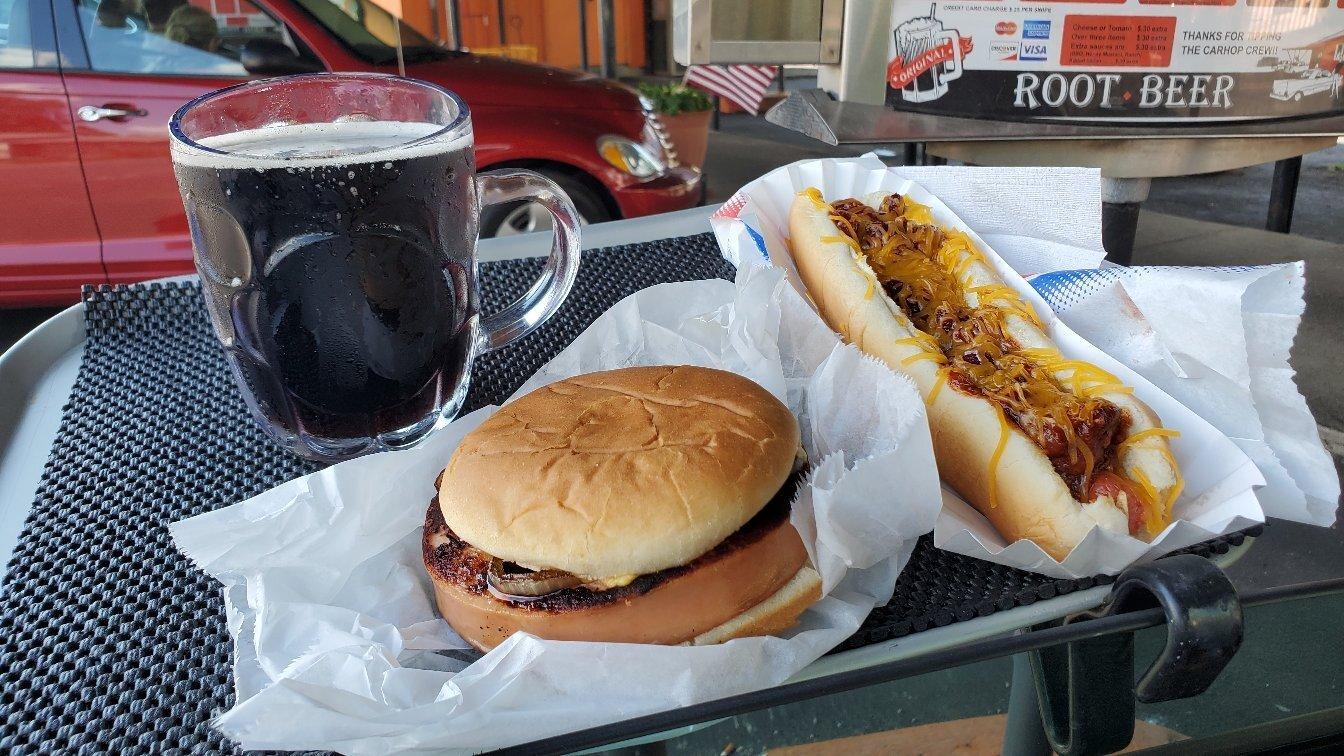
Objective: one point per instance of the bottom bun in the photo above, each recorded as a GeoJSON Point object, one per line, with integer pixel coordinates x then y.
{"type": "Point", "coordinates": [755, 582]}
{"type": "Point", "coordinates": [774, 615]}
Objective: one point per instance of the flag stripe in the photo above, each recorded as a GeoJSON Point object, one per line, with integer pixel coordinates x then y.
{"type": "Point", "coordinates": [728, 86]}
{"type": "Point", "coordinates": [744, 85]}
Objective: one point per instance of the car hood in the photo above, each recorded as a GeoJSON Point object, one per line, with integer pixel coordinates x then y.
{"type": "Point", "coordinates": [485, 81]}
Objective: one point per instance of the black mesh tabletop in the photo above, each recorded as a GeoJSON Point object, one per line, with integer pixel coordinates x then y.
{"type": "Point", "coordinates": [111, 642]}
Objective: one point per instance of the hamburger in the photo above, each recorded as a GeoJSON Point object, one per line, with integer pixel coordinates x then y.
{"type": "Point", "coordinates": [641, 505]}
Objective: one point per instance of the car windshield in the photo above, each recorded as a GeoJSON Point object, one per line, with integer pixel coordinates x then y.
{"type": "Point", "coordinates": [371, 32]}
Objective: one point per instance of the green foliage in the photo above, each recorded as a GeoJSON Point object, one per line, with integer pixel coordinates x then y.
{"type": "Point", "coordinates": [672, 99]}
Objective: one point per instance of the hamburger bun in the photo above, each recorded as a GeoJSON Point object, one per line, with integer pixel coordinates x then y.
{"type": "Point", "coordinates": [665, 490]}
{"type": "Point", "coordinates": [622, 472]}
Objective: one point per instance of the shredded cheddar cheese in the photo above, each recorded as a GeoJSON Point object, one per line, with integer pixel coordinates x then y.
{"type": "Point", "coordinates": [1176, 488]}
{"type": "Point", "coordinates": [917, 212]}
{"type": "Point", "coordinates": [938, 385]}
{"type": "Point", "coordinates": [931, 356]}
{"type": "Point", "coordinates": [842, 240]}
{"type": "Point", "coordinates": [1153, 510]}
{"type": "Point", "coordinates": [1135, 438]}
{"type": "Point", "coordinates": [996, 456]}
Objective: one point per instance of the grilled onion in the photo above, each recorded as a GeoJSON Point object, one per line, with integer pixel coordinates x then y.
{"type": "Point", "coordinates": [522, 586]}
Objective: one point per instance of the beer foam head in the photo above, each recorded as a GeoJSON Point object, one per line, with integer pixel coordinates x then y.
{"type": "Point", "coordinates": [311, 145]}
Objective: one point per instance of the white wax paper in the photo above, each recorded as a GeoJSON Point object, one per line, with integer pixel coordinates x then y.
{"type": "Point", "coordinates": [1226, 359]}
{"type": "Point", "coordinates": [332, 613]}
{"type": "Point", "coordinates": [1037, 220]}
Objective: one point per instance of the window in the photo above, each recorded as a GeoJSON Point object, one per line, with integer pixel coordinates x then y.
{"type": "Point", "coordinates": [371, 32]}
{"type": "Point", "coordinates": [200, 37]}
{"type": "Point", "coordinates": [16, 48]}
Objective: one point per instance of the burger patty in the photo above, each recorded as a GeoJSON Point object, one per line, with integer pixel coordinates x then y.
{"type": "Point", "coordinates": [453, 560]}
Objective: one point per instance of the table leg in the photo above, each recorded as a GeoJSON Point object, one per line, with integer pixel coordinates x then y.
{"type": "Point", "coordinates": [1283, 194]}
{"type": "Point", "coordinates": [1024, 732]}
{"type": "Point", "coordinates": [1120, 202]}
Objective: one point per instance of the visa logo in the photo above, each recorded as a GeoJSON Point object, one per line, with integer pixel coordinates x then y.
{"type": "Point", "coordinates": [1035, 29]}
{"type": "Point", "coordinates": [1033, 51]}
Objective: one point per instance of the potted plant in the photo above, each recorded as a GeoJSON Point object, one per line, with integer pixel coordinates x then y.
{"type": "Point", "coordinates": [685, 112]}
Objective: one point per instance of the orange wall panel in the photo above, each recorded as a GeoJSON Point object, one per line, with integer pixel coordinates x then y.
{"type": "Point", "coordinates": [480, 22]}
{"type": "Point", "coordinates": [549, 26]}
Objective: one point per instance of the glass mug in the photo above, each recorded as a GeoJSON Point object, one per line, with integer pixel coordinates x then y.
{"type": "Point", "coordinates": [334, 221]}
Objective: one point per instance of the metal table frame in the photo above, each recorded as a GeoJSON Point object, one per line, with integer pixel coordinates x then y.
{"type": "Point", "coordinates": [646, 729]}
{"type": "Point", "coordinates": [40, 369]}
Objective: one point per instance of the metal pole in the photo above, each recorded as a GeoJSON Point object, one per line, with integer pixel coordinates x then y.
{"type": "Point", "coordinates": [1120, 202]}
{"type": "Point", "coordinates": [607, 31]}
{"type": "Point", "coordinates": [1283, 194]}
{"type": "Point", "coordinates": [648, 37]}
{"type": "Point", "coordinates": [1119, 224]}
{"type": "Point", "coordinates": [1024, 730]}
{"type": "Point", "coordinates": [714, 114]}
{"type": "Point", "coordinates": [499, 6]}
{"type": "Point", "coordinates": [457, 24]}
{"type": "Point", "coordinates": [583, 34]}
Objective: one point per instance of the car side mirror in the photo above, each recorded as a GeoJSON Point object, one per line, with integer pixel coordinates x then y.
{"type": "Point", "coordinates": [272, 57]}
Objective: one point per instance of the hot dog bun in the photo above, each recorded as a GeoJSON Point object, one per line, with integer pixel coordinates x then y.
{"type": "Point", "coordinates": [1030, 499]}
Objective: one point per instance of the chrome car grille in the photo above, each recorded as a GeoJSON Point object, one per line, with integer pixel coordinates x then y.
{"type": "Point", "coordinates": [655, 129]}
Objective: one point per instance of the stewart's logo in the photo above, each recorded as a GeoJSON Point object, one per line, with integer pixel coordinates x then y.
{"type": "Point", "coordinates": [925, 57]}
{"type": "Point", "coordinates": [901, 71]}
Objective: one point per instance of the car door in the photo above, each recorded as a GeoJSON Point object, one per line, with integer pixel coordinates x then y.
{"type": "Point", "coordinates": [139, 71]}
{"type": "Point", "coordinates": [48, 240]}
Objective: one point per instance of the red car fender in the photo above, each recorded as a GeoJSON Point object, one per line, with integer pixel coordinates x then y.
{"type": "Point", "coordinates": [573, 142]}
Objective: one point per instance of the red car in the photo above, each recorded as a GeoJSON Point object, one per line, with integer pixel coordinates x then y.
{"type": "Point", "coordinates": [87, 87]}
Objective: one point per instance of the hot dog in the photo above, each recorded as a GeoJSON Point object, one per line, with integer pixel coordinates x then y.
{"type": "Point", "coordinates": [1046, 447]}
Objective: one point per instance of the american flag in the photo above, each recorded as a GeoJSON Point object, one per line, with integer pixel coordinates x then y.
{"type": "Point", "coordinates": [743, 85]}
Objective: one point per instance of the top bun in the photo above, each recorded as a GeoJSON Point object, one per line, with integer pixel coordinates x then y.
{"type": "Point", "coordinates": [623, 472]}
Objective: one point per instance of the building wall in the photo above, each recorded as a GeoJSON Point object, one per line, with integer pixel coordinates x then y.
{"type": "Point", "coordinates": [416, 13]}
{"type": "Point", "coordinates": [551, 27]}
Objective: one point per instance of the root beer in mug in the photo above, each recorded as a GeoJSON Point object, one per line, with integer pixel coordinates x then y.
{"type": "Point", "coordinates": [334, 221]}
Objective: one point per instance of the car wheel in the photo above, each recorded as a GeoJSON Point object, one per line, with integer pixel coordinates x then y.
{"type": "Point", "coordinates": [511, 218]}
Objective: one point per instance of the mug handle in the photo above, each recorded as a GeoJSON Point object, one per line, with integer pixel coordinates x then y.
{"type": "Point", "coordinates": [541, 301]}
{"type": "Point", "coordinates": [953, 36]}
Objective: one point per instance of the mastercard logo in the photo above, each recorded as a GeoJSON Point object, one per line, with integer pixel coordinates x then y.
{"type": "Point", "coordinates": [1005, 28]}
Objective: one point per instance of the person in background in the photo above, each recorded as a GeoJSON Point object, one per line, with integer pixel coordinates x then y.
{"type": "Point", "coordinates": [112, 14]}
{"type": "Point", "coordinates": [193, 26]}
{"type": "Point", "coordinates": [158, 11]}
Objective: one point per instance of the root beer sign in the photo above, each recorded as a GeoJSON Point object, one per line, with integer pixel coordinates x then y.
{"type": "Point", "coordinates": [1117, 60]}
